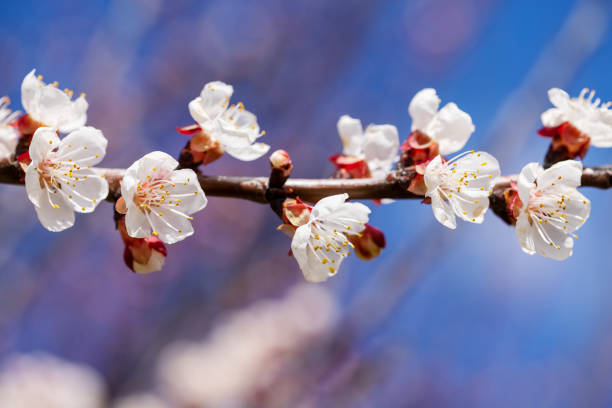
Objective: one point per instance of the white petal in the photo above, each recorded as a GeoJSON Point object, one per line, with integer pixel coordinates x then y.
{"type": "Point", "coordinates": [432, 173]}
{"type": "Point", "coordinates": [53, 212]}
{"type": "Point", "coordinates": [44, 140]}
{"type": "Point", "coordinates": [328, 205]}
{"type": "Point", "coordinates": [526, 180]}
{"type": "Point", "coordinates": [248, 153]}
{"type": "Point", "coordinates": [32, 184]}
{"type": "Point", "coordinates": [451, 128]}
{"type": "Point", "coordinates": [562, 243]}
{"type": "Point", "coordinates": [136, 223]}
{"type": "Point", "coordinates": [212, 102]}
{"type": "Point", "coordinates": [85, 146]}
{"type": "Point", "coordinates": [8, 141]}
{"type": "Point", "coordinates": [170, 225]}
{"type": "Point", "coordinates": [553, 117]}
{"type": "Point", "coordinates": [524, 234]}
{"type": "Point", "coordinates": [29, 89]}
{"type": "Point", "coordinates": [559, 98]}
{"type": "Point", "coordinates": [567, 173]}
{"type": "Point", "coordinates": [238, 122]}
{"type": "Point", "coordinates": [151, 164]}
{"type": "Point", "coordinates": [423, 108]}
{"type": "Point", "coordinates": [312, 268]}
{"type": "Point", "coordinates": [85, 190]}
{"type": "Point", "coordinates": [351, 134]}
{"type": "Point", "coordinates": [599, 131]}
{"type": "Point", "coordinates": [74, 115]}
{"type": "Point", "coordinates": [443, 211]}
{"type": "Point", "coordinates": [186, 188]}
{"type": "Point", "coordinates": [380, 148]}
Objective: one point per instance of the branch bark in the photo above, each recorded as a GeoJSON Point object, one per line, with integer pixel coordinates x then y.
{"type": "Point", "coordinates": [254, 188]}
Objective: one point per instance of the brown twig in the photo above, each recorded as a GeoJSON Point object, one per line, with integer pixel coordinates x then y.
{"type": "Point", "coordinates": [254, 188]}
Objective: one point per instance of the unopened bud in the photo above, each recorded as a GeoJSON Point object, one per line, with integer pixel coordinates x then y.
{"type": "Point", "coordinates": [348, 167]}
{"type": "Point", "coordinates": [142, 255]}
{"type": "Point", "coordinates": [369, 243]}
{"type": "Point", "coordinates": [567, 143]}
{"type": "Point", "coordinates": [418, 148]}
{"type": "Point", "coordinates": [281, 166]}
{"type": "Point", "coordinates": [296, 212]}
{"type": "Point", "coordinates": [202, 149]}
{"type": "Point", "coordinates": [280, 160]}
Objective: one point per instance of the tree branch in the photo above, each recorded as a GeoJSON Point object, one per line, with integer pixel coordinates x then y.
{"type": "Point", "coordinates": [254, 188]}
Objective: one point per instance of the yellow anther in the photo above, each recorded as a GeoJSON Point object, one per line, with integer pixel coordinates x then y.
{"type": "Point", "coordinates": [155, 233]}
{"type": "Point", "coordinates": [324, 261]}
{"type": "Point", "coordinates": [332, 270]}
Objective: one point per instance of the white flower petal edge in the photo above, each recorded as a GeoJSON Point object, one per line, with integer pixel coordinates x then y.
{"type": "Point", "coordinates": [60, 180]}
{"type": "Point", "coordinates": [586, 114]}
{"type": "Point", "coordinates": [320, 245]}
{"type": "Point", "coordinates": [235, 128]}
{"type": "Point", "coordinates": [450, 127]}
{"type": "Point", "coordinates": [552, 209]}
{"type": "Point", "coordinates": [461, 186]}
{"type": "Point", "coordinates": [378, 145]}
{"type": "Point", "coordinates": [160, 199]}
{"type": "Point", "coordinates": [52, 107]}
{"type": "Point", "coordinates": [8, 134]}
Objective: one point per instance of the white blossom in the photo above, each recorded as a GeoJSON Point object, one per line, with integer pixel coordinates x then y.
{"type": "Point", "coordinates": [235, 128]}
{"type": "Point", "coordinates": [60, 180]}
{"type": "Point", "coordinates": [144, 400]}
{"type": "Point", "coordinates": [586, 114]}
{"type": "Point", "coordinates": [8, 134]}
{"type": "Point", "coordinates": [160, 199]}
{"type": "Point", "coordinates": [450, 127]}
{"type": "Point", "coordinates": [461, 186]}
{"type": "Point", "coordinates": [552, 208]}
{"type": "Point", "coordinates": [378, 145]}
{"type": "Point", "coordinates": [50, 106]}
{"type": "Point", "coordinates": [41, 380]}
{"type": "Point", "coordinates": [248, 352]}
{"type": "Point", "coordinates": [320, 245]}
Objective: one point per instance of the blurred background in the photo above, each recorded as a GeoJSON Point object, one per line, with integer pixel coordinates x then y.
{"type": "Point", "coordinates": [441, 319]}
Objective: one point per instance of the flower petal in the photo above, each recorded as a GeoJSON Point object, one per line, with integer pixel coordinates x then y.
{"type": "Point", "coordinates": [567, 173]}
{"type": "Point", "coordinates": [312, 268]}
{"type": "Point", "coordinates": [85, 190]}
{"type": "Point", "coordinates": [187, 189]}
{"type": "Point", "coordinates": [559, 98]}
{"type": "Point", "coordinates": [451, 128]}
{"type": "Point", "coordinates": [423, 108]}
{"type": "Point", "coordinates": [212, 102]}
{"type": "Point", "coordinates": [53, 212]}
{"type": "Point", "coordinates": [32, 184]}
{"type": "Point", "coordinates": [248, 153]}
{"type": "Point", "coordinates": [44, 140]}
{"type": "Point", "coordinates": [524, 234]}
{"type": "Point", "coordinates": [136, 223]}
{"type": "Point", "coordinates": [443, 211]}
{"type": "Point", "coordinates": [380, 148]}
{"type": "Point", "coordinates": [85, 146]}
{"type": "Point", "coordinates": [526, 180]}
{"type": "Point", "coordinates": [351, 134]}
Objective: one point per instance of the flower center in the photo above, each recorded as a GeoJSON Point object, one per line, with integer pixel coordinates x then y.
{"type": "Point", "coordinates": [151, 194]}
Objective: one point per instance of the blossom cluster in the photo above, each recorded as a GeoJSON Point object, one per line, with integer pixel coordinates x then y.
{"type": "Point", "coordinates": [58, 152]}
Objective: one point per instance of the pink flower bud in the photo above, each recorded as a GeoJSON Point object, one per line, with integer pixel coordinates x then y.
{"type": "Point", "coordinates": [568, 142]}
{"type": "Point", "coordinates": [280, 160]}
{"type": "Point", "coordinates": [368, 243]}
{"type": "Point", "coordinates": [142, 255]}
